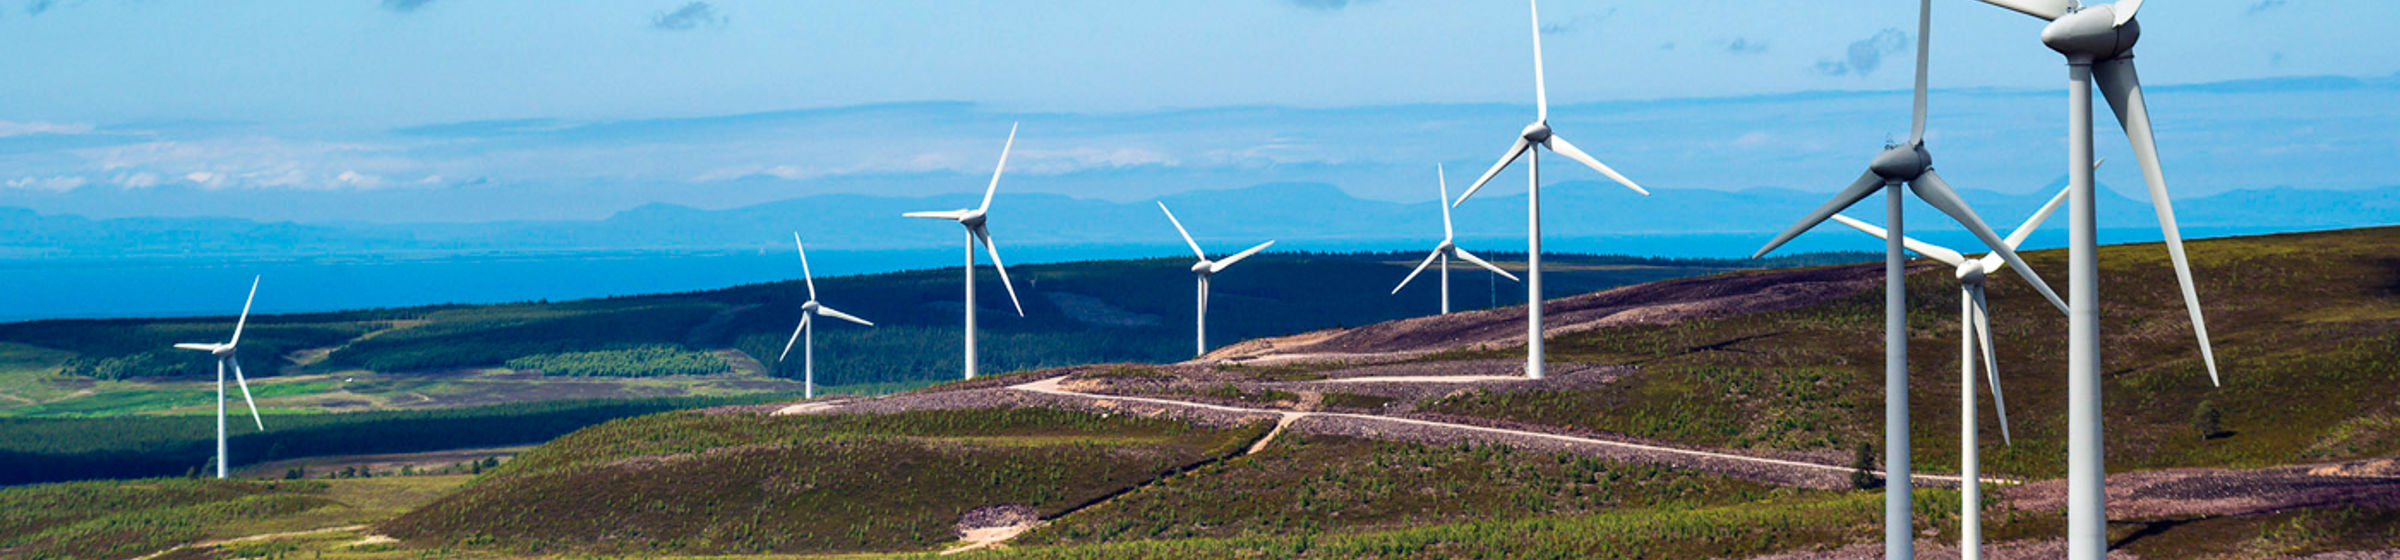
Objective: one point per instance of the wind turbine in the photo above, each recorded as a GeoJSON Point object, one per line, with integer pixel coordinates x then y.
{"type": "Point", "coordinates": [1905, 163]}
{"type": "Point", "coordinates": [808, 314]}
{"type": "Point", "coordinates": [1447, 248]}
{"type": "Point", "coordinates": [1202, 271]}
{"type": "Point", "coordinates": [1538, 133]}
{"type": "Point", "coordinates": [1975, 324]}
{"type": "Point", "coordinates": [2098, 43]}
{"type": "Point", "coordinates": [973, 220]}
{"type": "Point", "coordinates": [224, 353]}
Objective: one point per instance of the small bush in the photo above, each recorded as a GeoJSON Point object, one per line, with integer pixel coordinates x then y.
{"type": "Point", "coordinates": [1862, 465]}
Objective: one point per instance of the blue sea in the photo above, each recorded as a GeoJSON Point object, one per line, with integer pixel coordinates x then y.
{"type": "Point", "coordinates": [154, 287]}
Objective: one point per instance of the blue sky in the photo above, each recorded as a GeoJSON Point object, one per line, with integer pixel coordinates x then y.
{"type": "Point", "coordinates": [619, 103]}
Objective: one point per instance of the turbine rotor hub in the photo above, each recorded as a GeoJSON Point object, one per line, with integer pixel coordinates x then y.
{"type": "Point", "coordinates": [1902, 162]}
{"type": "Point", "coordinates": [810, 307]}
{"type": "Point", "coordinates": [225, 351]}
{"type": "Point", "coordinates": [1538, 132]}
{"type": "Point", "coordinates": [1972, 272]}
{"type": "Point", "coordinates": [2091, 34]}
{"type": "Point", "coordinates": [1201, 268]}
{"type": "Point", "coordinates": [972, 219]}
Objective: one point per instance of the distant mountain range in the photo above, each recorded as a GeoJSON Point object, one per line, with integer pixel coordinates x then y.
{"type": "Point", "coordinates": [1301, 215]}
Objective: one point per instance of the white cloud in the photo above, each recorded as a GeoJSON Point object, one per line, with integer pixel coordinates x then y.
{"type": "Point", "coordinates": [356, 179]}
{"type": "Point", "coordinates": [53, 183]}
{"type": "Point", "coordinates": [1753, 139]}
{"type": "Point", "coordinates": [1058, 162]}
{"type": "Point", "coordinates": [136, 180]}
{"type": "Point", "coordinates": [8, 128]}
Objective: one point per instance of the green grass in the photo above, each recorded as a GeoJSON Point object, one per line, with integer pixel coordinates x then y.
{"type": "Point", "coordinates": [801, 484]}
{"type": "Point", "coordinates": [1779, 524]}
{"type": "Point", "coordinates": [2311, 364]}
{"type": "Point", "coordinates": [1305, 485]}
{"type": "Point", "coordinates": [123, 519]}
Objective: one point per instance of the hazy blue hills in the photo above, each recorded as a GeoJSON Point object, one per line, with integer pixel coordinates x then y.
{"type": "Point", "coordinates": [1299, 215]}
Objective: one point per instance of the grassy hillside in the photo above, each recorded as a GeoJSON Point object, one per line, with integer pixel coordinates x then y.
{"type": "Point", "coordinates": [692, 483]}
{"type": "Point", "coordinates": [444, 356]}
{"type": "Point", "coordinates": [1322, 484]}
{"type": "Point", "coordinates": [55, 449]}
{"type": "Point", "coordinates": [2306, 327]}
{"type": "Point", "coordinates": [125, 519]}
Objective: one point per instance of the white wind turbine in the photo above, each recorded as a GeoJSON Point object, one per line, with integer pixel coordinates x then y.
{"type": "Point", "coordinates": [1447, 248]}
{"type": "Point", "coordinates": [1202, 271]}
{"type": "Point", "coordinates": [973, 220]}
{"type": "Point", "coordinates": [1910, 164]}
{"type": "Point", "coordinates": [224, 353]}
{"type": "Point", "coordinates": [2098, 44]}
{"type": "Point", "coordinates": [1975, 325]}
{"type": "Point", "coordinates": [1538, 133]}
{"type": "Point", "coordinates": [808, 314]}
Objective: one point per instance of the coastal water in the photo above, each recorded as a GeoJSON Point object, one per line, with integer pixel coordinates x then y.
{"type": "Point", "coordinates": [150, 287]}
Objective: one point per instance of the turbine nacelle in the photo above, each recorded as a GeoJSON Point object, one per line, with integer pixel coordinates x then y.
{"type": "Point", "coordinates": [810, 307]}
{"type": "Point", "coordinates": [1902, 162]}
{"type": "Point", "coordinates": [1204, 267]}
{"type": "Point", "coordinates": [1537, 133]}
{"type": "Point", "coordinates": [2092, 34]}
{"type": "Point", "coordinates": [1972, 272]}
{"type": "Point", "coordinates": [972, 218]}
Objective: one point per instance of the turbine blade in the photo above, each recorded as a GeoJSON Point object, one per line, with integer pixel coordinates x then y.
{"type": "Point", "coordinates": [1470, 257]}
{"type": "Point", "coordinates": [1412, 275]}
{"type": "Point", "coordinates": [986, 236]}
{"type": "Point", "coordinates": [787, 345]}
{"type": "Point", "coordinates": [843, 316]}
{"type": "Point", "coordinates": [810, 277]}
{"type": "Point", "coordinates": [1991, 364]}
{"type": "Point", "coordinates": [2125, 10]}
{"type": "Point", "coordinates": [1935, 252]}
{"type": "Point", "coordinates": [1187, 235]}
{"type": "Point", "coordinates": [1514, 151]}
{"type": "Point", "coordinates": [1541, 91]}
{"type": "Point", "coordinates": [1867, 184]}
{"type": "Point", "coordinates": [938, 215]}
{"type": "Point", "coordinates": [1221, 264]}
{"type": "Point", "coordinates": [196, 346]}
{"type": "Point", "coordinates": [1444, 178]}
{"type": "Point", "coordinates": [2016, 239]}
{"type": "Point", "coordinates": [2123, 87]}
{"type": "Point", "coordinates": [996, 169]}
{"type": "Point", "coordinates": [1560, 145]}
{"type": "Point", "coordinates": [245, 320]}
{"type": "Point", "coordinates": [1916, 127]}
{"type": "Point", "coordinates": [1934, 191]}
{"type": "Point", "coordinates": [2045, 9]}
{"type": "Point", "coordinates": [237, 379]}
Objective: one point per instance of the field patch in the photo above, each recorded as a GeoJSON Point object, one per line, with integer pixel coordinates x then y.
{"type": "Point", "coordinates": [803, 484]}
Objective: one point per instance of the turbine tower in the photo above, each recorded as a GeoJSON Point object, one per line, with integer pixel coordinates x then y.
{"type": "Point", "coordinates": [1905, 163]}
{"type": "Point", "coordinates": [808, 314]}
{"type": "Point", "coordinates": [224, 353]}
{"type": "Point", "coordinates": [1201, 271]}
{"type": "Point", "coordinates": [2098, 44]}
{"type": "Point", "coordinates": [1538, 133]}
{"type": "Point", "coordinates": [973, 220]}
{"type": "Point", "coordinates": [1975, 324]}
{"type": "Point", "coordinates": [1447, 248]}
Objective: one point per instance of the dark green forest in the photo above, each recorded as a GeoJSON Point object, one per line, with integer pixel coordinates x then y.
{"type": "Point", "coordinates": [58, 449]}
